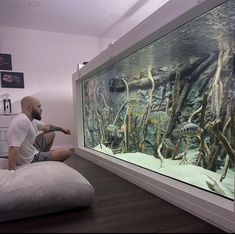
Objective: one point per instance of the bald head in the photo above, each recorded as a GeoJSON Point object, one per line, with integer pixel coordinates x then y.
{"type": "Point", "coordinates": [27, 101]}
{"type": "Point", "coordinates": [31, 107]}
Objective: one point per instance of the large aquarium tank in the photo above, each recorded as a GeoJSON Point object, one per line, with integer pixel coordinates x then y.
{"type": "Point", "coordinates": [169, 106]}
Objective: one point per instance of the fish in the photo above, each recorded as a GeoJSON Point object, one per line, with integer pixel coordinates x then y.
{"type": "Point", "coordinates": [111, 128]}
{"type": "Point", "coordinates": [138, 111]}
{"type": "Point", "coordinates": [190, 130]}
{"type": "Point", "coordinates": [158, 117]}
{"type": "Point", "coordinates": [134, 102]}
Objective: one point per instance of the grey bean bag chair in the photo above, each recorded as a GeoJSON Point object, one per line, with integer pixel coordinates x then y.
{"type": "Point", "coordinates": [41, 188]}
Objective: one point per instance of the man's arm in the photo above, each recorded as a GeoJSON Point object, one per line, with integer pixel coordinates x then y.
{"type": "Point", "coordinates": [13, 153]}
{"type": "Point", "coordinates": [50, 127]}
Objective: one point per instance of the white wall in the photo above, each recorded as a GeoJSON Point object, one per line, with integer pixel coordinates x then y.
{"type": "Point", "coordinates": [48, 61]}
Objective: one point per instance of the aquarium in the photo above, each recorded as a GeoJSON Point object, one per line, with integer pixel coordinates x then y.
{"type": "Point", "coordinates": [167, 105]}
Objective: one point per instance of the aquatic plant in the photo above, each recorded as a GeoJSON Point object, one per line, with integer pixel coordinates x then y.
{"type": "Point", "coordinates": [158, 117]}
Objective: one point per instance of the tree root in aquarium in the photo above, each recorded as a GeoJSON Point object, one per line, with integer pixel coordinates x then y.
{"type": "Point", "coordinates": [217, 86]}
{"type": "Point", "coordinates": [160, 155]}
{"type": "Point", "coordinates": [148, 111]}
{"type": "Point", "coordinates": [189, 81]}
{"type": "Point", "coordinates": [102, 133]}
{"type": "Point", "coordinates": [232, 124]}
{"type": "Point", "coordinates": [226, 165]}
{"type": "Point", "coordinates": [203, 149]}
{"type": "Point", "coordinates": [213, 185]}
{"type": "Point", "coordinates": [175, 99]}
{"type": "Point", "coordinates": [213, 127]}
{"type": "Point", "coordinates": [227, 159]}
{"type": "Point", "coordinates": [184, 159]}
{"type": "Point", "coordinates": [173, 117]}
{"type": "Point", "coordinates": [118, 113]}
{"type": "Point", "coordinates": [126, 118]}
{"type": "Point", "coordinates": [161, 79]}
{"type": "Point", "coordinates": [194, 113]}
{"type": "Point", "coordinates": [140, 83]}
{"type": "Point", "coordinates": [216, 153]}
{"type": "Point", "coordinates": [203, 111]}
{"type": "Point", "coordinates": [216, 148]}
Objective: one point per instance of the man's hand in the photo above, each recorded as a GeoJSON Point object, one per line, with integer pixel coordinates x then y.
{"type": "Point", "coordinates": [66, 131]}
{"type": "Point", "coordinates": [51, 127]}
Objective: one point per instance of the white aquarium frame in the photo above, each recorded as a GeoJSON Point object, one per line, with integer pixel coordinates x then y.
{"type": "Point", "coordinates": [210, 207]}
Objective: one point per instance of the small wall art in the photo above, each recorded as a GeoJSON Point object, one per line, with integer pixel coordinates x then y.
{"type": "Point", "coordinates": [5, 62]}
{"type": "Point", "coordinates": [12, 79]}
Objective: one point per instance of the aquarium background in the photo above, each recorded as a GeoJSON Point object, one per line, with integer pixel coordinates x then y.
{"type": "Point", "coordinates": [169, 107]}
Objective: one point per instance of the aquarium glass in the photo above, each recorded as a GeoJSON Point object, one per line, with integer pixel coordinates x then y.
{"type": "Point", "coordinates": [169, 106]}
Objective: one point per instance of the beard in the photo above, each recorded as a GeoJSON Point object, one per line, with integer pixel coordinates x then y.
{"type": "Point", "coordinates": [36, 114]}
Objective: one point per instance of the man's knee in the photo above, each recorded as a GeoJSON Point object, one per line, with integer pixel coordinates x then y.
{"type": "Point", "coordinates": [61, 154]}
{"type": "Point", "coordinates": [50, 136]}
{"type": "Point", "coordinates": [67, 153]}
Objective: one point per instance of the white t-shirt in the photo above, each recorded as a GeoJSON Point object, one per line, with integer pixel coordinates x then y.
{"type": "Point", "coordinates": [22, 133]}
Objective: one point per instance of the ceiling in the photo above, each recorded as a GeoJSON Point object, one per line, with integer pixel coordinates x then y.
{"type": "Point", "coordinates": [96, 18]}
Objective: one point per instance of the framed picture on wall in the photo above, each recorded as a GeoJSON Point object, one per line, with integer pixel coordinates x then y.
{"type": "Point", "coordinates": [12, 79]}
{"type": "Point", "coordinates": [5, 62]}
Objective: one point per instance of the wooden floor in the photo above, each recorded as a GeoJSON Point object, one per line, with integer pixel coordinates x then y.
{"type": "Point", "coordinates": [119, 207]}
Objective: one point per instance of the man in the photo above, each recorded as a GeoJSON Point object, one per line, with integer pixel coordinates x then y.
{"type": "Point", "coordinates": [25, 145]}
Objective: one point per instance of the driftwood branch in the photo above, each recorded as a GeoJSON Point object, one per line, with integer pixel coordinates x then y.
{"type": "Point", "coordinates": [203, 111]}
{"type": "Point", "coordinates": [175, 99]}
{"type": "Point", "coordinates": [118, 113]}
{"type": "Point", "coordinates": [217, 89]}
{"type": "Point", "coordinates": [194, 113]}
{"type": "Point", "coordinates": [101, 128]}
{"type": "Point", "coordinates": [213, 127]}
{"type": "Point", "coordinates": [213, 185]}
{"type": "Point", "coordinates": [182, 97]}
{"type": "Point", "coordinates": [232, 122]}
{"type": "Point", "coordinates": [203, 149]}
{"type": "Point", "coordinates": [126, 118]}
{"type": "Point", "coordinates": [226, 164]}
{"type": "Point", "coordinates": [160, 154]}
{"type": "Point", "coordinates": [145, 83]}
{"type": "Point", "coordinates": [149, 108]}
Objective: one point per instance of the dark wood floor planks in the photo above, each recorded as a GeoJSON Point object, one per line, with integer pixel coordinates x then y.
{"type": "Point", "coordinates": [119, 207]}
